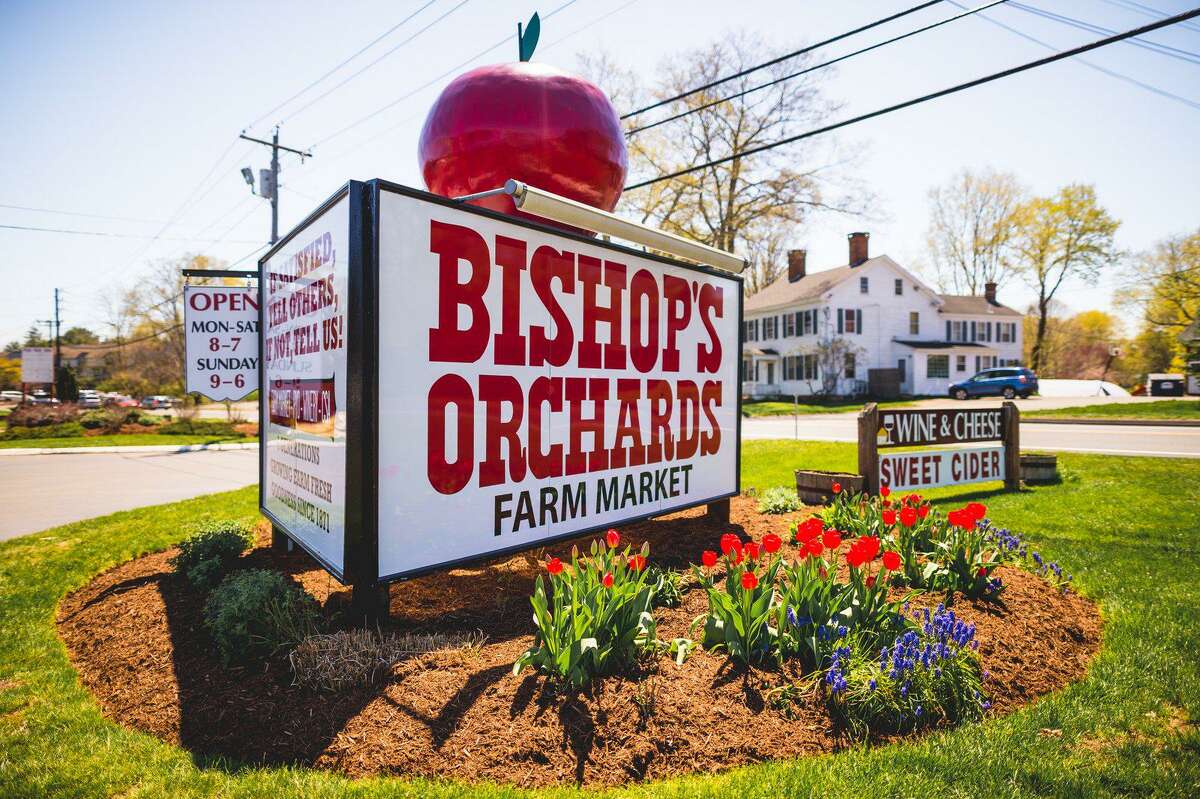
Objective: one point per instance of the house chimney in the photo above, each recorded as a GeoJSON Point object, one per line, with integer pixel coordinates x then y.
{"type": "Point", "coordinates": [796, 264]}
{"type": "Point", "coordinates": [989, 291]}
{"type": "Point", "coordinates": [858, 248]}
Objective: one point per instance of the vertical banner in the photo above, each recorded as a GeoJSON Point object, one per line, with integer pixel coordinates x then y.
{"type": "Point", "coordinates": [221, 341]}
{"type": "Point", "coordinates": [304, 287]}
{"type": "Point", "coordinates": [534, 386]}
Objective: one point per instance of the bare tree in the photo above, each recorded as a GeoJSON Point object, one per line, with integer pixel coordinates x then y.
{"type": "Point", "coordinates": [972, 222]}
{"type": "Point", "coordinates": [753, 204]}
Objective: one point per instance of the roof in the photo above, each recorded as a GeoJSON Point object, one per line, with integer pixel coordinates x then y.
{"type": "Point", "coordinates": [752, 350]}
{"type": "Point", "coordinates": [940, 345]}
{"type": "Point", "coordinates": [810, 287]}
{"type": "Point", "coordinates": [974, 305]}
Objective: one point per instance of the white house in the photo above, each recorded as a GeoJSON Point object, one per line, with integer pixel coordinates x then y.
{"type": "Point", "coordinates": [830, 330]}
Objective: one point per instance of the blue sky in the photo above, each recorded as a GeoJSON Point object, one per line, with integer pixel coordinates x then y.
{"type": "Point", "coordinates": [122, 110]}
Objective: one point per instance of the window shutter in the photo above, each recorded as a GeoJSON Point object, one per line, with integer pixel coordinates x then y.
{"type": "Point", "coordinates": [841, 315]}
{"type": "Point", "coordinates": [858, 321]}
{"type": "Point", "coordinates": [948, 330]}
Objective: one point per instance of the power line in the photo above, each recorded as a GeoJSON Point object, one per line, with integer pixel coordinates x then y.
{"type": "Point", "coordinates": [927, 97]}
{"type": "Point", "coordinates": [813, 68]}
{"type": "Point", "coordinates": [1162, 49]}
{"type": "Point", "coordinates": [354, 75]}
{"type": "Point", "coordinates": [109, 235]}
{"type": "Point", "coordinates": [81, 214]}
{"type": "Point", "coordinates": [781, 58]}
{"type": "Point", "coordinates": [344, 62]}
{"type": "Point", "coordinates": [1112, 73]}
{"type": "Point", "coordinates": [1147, 11]}
{"type": "Point", "coordinates": [506, 40]}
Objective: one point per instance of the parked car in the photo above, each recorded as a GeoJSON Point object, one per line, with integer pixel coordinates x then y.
{"type": "Point", "coordinates": [40, 397]}
{"type": "Point", "coordinates": [12, 396]}
{"type": "Point", "coordinates": [156, 401]}
{"type": "Point", "coordinates": [1007, 382]}
{"type": "Point", "coordinates": [89, 399]}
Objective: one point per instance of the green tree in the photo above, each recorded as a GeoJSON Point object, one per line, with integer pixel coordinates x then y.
{"type": "Point", "coordinates": [65, 385]}
{"type": "Point", "coordinates": [1062, 238]}
{"type": "Point", "coordinates": [34, 338]}
{"type": "Point", "coordinates": [80, 335]}
{"type": "Point", "coordinates": [1164, 284]}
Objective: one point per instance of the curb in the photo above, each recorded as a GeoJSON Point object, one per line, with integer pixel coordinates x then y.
{"type": "Point", "coordinates": [169, 449]}
{"type": "Point", "coordinates": [1116, 422]}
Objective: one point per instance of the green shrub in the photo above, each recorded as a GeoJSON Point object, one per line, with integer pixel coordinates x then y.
{"type": "Point", "coordinates": [779, 500]}
{"type": "Point", "coordinates": [253, 614]}
{"type": "Point", "coordinates": [65, 430]}
{"type": "Point", "coordinates": [208, 555]}
{"type": "Point", "coordinates": [668, 586]}
{"type": "Point", "coordinates": [198, 427]}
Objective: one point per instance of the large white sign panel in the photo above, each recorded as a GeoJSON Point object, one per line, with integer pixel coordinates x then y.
{"type": "Point", "coordinates": [304, 295]}
{"type": "Point", "coordinates": [221, 341]}
{"type": "Point", "coordinates": [531, 386]}
{"type": "Point", "coordinates": [37, 365]}
{"type": "Point", "coordinates": [907, 471]}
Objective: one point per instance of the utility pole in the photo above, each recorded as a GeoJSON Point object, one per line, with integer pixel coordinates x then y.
{"type": "Point", "coordinates": [268, 180]}
{"type": "Point", "coordinates": [57, 338]}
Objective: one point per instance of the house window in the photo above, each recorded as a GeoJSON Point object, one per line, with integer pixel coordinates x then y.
{"type": "Point", "coordinates": [960, 364]}
{"type": "Point", "coordinates": [849, 320]}
{"type": "Point", "coordinates": [899, 287]}
{"type": "Point", "coordinates": [747, 370]}
{"type": "Point", "coordinates": [789, 325]}
{"type": "Point", "coordinates": [937, 366]}
{"type": "Point", "coordinates": [849, 365]}
{"type": "Point", "coordinates": [863, 285]}
{"type": "Point", "coordinates": [810, 367]}
{"type": "Point", "coordinates": [914, 323]}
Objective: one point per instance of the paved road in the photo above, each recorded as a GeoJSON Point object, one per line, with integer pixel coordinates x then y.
{"type": "Point", "coordinates": [1170, 442]}
{"type": "Point", "coordinates": [42, 491]}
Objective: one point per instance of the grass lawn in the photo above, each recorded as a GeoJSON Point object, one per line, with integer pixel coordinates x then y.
{"type": "Point", "coordinates": [790, 409]}
{"type": "Point", "coordinates": [122, 440]}
{"type": "Point", "coordinates": [1164, 409]}
{"type": "Point", "coordinates": [1126, 527]}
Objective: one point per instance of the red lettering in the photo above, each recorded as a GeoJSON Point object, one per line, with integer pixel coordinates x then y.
{"type": "Point", "coordinates": [549, 264]}
{"type": "Point", "coordinates": [495, 391]}
{"type": "Point", "coordinates": [449, 477]}
{"type": "Point", "coordinates": [452, 244]}
{"type": "Point", "coordinates": [509, 343]}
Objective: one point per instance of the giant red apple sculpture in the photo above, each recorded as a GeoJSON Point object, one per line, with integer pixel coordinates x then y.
{"type": "Point", "coordinates": [530, 122]}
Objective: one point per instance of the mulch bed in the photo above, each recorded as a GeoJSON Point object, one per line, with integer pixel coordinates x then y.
{"type": "Point", "coordinates": [135, 636]}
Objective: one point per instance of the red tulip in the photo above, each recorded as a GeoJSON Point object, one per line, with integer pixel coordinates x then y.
{"type": "Point", "coordinates": [977, 510]}
{"type": "Point", "coordinates": [889, 517]}
{"type": "Point", "coordinates": [832, 539]}
{"type": "Point", "coordinates": [751, 550]}
{"type": "Point", "coordinates": [728, 542]}
{"type": "Point", "coordinates": [871, 581]}
{"type": "Point", "coordinates": [709, 558]}
{"type": "Point", "coordinates": [771, 543]}
{"type": "Point", "coordinates": [612, 538]}
{"type": "Point", "coordinates": [608, 580]}
{"type": "Point", "coordinates": [884, 491]}
{"type": "Point", "coordinates": [749, 581]}
{"type": "Point", "coordinates": [908, 517]}
{"type": "Point", "coordinates": [809, 529]}
{"type": "Point", "coordinates": [922, 511]}
{"type": "Point", "coordinates": [983, 572]}
{"type": "Point", "coordinates": [836, 488]}
{"type": "Point", "coordinates": [554, 566]}
{"type": "Point", "coordinates": [814, 547]}
{"type": "Point", "coordinates": [891, 560]}
{"type": "Point", "coordinates": [637, 562]}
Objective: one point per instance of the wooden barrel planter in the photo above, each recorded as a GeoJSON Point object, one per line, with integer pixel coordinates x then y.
{"type": "Point", "coordinates": [1039, 468]}
{"type": "Point", "coordinates": [815, 487]}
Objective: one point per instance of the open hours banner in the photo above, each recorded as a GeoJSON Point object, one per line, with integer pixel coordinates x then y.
{"type": "Point", "coordinates": [508, 384]}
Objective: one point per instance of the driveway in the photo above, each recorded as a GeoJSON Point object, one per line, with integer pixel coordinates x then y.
{"type": "Point", "coordinates": [44, 491]}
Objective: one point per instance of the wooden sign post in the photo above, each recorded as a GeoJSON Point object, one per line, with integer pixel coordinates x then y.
{"type": "Point", "coordinates": [917, 467]}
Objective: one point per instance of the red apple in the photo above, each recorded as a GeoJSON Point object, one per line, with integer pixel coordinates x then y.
{"type": "Point", "coordinates": [531, 122]}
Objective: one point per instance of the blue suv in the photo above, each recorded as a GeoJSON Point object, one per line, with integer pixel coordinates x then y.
{"type": "Point", "coordinates": [1007, 382]}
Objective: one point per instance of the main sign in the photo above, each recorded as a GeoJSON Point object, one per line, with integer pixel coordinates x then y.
{"type": "Point", "coordinates": [462, 384]}
{"type": "Point", "coordinates": [37, 365]}
{"type": "Point", "coordinates": [221, 341]}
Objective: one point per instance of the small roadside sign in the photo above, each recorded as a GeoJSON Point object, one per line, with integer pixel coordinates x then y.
{"type": "Point", "coordinates": [37, 365]}
{"type": "Point", "coordinates": [221, 341]}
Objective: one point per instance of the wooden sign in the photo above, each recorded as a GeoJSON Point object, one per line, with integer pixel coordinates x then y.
{"type": "Point", "coordinates": [938, 426]}
{"type": "Point", "coordinates": [922, 468]}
